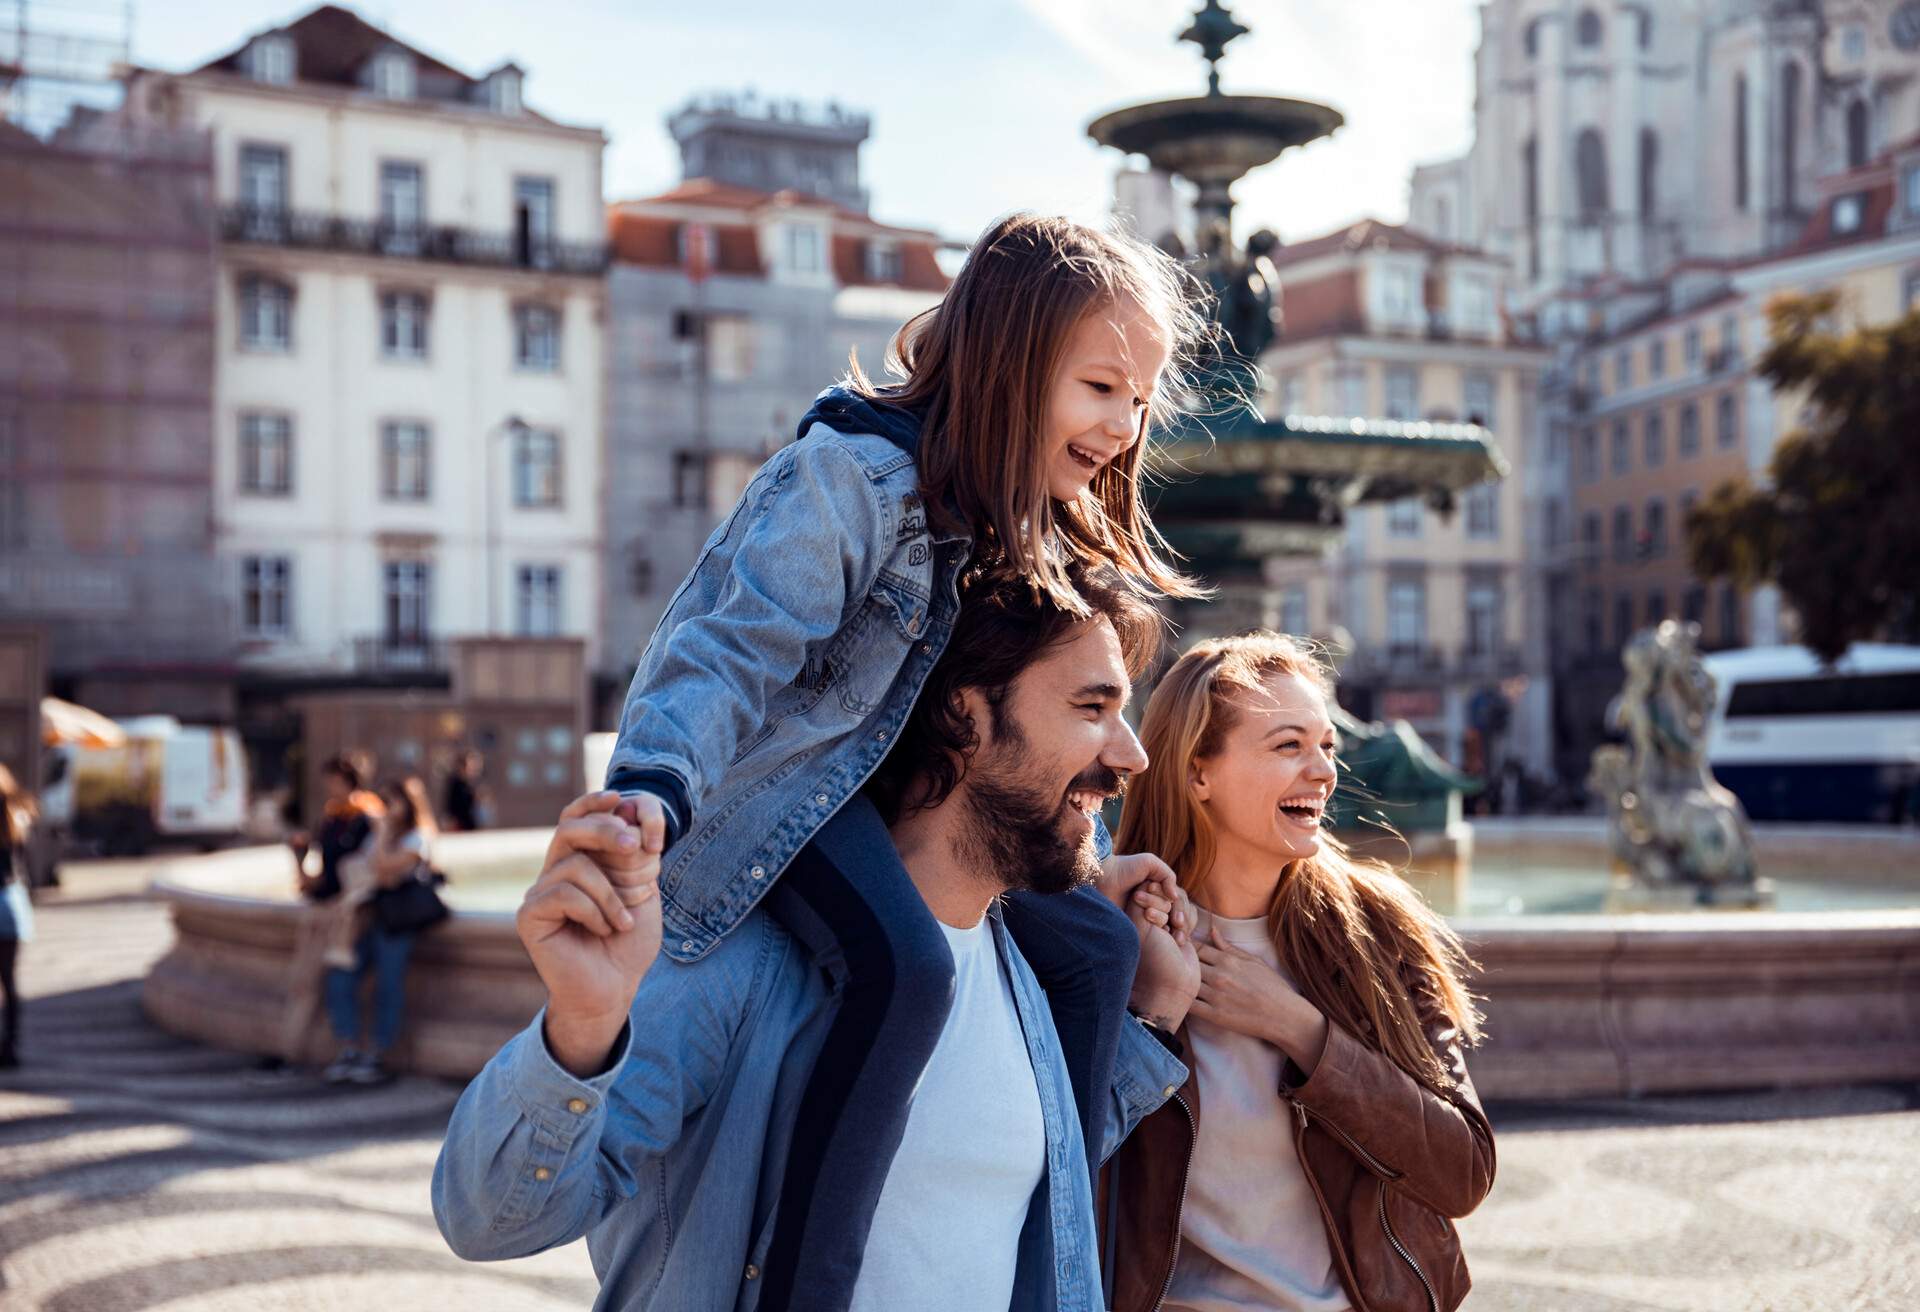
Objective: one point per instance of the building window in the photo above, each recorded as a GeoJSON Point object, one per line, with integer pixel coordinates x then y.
{"type": "Point", "coordinates": [1587, 30]}
{"type": "Point", "coordinates": [1622, 533]}
{"type": "Point", "coordinates": [406, 459]}
{"type": "Point", "coordinates": [1590, 175]}
{"type": "Point", "coordinates": [1590, 535]}
{"type": "Point", "coordinates": [1693, 605]}
{"type": "Point", "coordinates": [1729, 617]}
{"type": "Point", "coordinates": [1656, 606]}
{"type": "Point", "coordinates": [1910, 301]}
{"type": "Point", "coordinates": [1474, 314]}
{"type": "Point", "coordinates": [536, 468]}
{"type": "Point", "coordinates": [690, 480]}
{"type": "Point", "coordinates": [1589, 455]}
{"type": "Point", "coordinates": [403, 207]}
{"type": "Point", "coordinates": [1691, 349]}
{"type": "Point", "coordinates": [1591, 621]}
{"type": "Point", "coordinates": [1857, 120]}
{"type": "Point", "coordinates": [1726, 427]}
{"type": "Point", "coordinates": [266, 454]}
{"type": "Point", "coordinates": [1399, 303]}
{"type": "Point", "coordinates": [503, 91]}
{"type": "Point", "coordinates": [1849, 212]}
{"type": "Point", "coordinates": [1790, 134]}
{"type": "Point", "coordinates": [883, 261]}
{"type": "Point", "coordinates": [1649, 172]}
{"type": "Point", "coordinates": [1403, 393]}
{"type": "Point", "coordinates": [1853, 43]}
{"type": "Point", "coordinates": [1622, 370]}
{"type": "Point", "coordinates": [1646, 28]}
{"type": "Point", "coordinates": [1689, 430]}
{"type": "Point", "coordinates": [392, 75]}
{"type": "Point", "coordinates": [403, 325]}
{"type": "Point", "coordinates": [1910, 190]}
{"type": "Point", "coordinates": [1622, 448]}
{"type": "Point", "coordinates": [1654, 436]}
{"type": "Point", "coordinates": [406, 591]}
{"type": "Point", "coordinates": [1622, 619]}
{"type": "Point", "coordinates": [1483, 511]}
{"type": "Point", "coordinates": [1484, 627]}
{"type": "Point", "coordinates": [803, 248]}
{"type": "Point", "coordinates": [1741, 132]}
{"type": "Point", "coordinates": [263, 189]}
{"type": "Point", "coordinates": [1530, 201]}
{"type": "Point", "coordinates": [1477, 395]}
{"type": "Point", "coordinates": [265, 584]}
{"type": "Point", "coordinates": [1555, 529]}
{"type": "Point", "coordinates": [1530, 39]}
{"type": "Point", "coordinates": [1293, 609]}
{"type": "Point", "coordinates": [1403, 518]}
{"type": "Point", "coordinates": [536, 337]}
{"type": "Point", "coordinates": [273, 60]}
{"type": "Point", "coordinates": [1657, 358]}
{"type": "Point", "coordinates": [1353, 391]}
{"type": "Point", "coordinates": [1656, 534]}
{"type": "Point", "coordinates": [533, 221]}
{"type": "Point", "coordinates": [266, 314]}
{"type": "Point", "coordinates": [537, 601]}
{"type": "Point", "coordinates": [1406, 614]}
{"type": "Point", "coordinates": [730, 347]}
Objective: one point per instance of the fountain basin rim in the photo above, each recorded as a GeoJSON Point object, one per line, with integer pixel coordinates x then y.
{"type": "Point", "coordinates": [1143, 128]}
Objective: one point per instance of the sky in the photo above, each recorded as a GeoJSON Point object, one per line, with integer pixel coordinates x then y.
{"type": "Point", "coordinates": [978, 107]}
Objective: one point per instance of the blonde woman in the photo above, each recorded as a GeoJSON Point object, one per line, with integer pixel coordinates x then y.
{"type": "Point", "coordinates": [1340, 1131]}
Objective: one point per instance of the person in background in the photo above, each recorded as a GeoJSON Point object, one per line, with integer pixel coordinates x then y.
{"type": "Point", "coordinates": [345, 822]}
{"type": "Point", "coordinates": [401, 849]}
{"type": "Point", "coordinates": [17, 812]}
{"type": "Point", "coordinates": [462, 809]}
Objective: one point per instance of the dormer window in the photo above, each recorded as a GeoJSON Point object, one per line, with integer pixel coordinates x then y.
{"type": "Point", "coordinates": [803, 248]}
{"type": "Point", "coordinates": [270, 59]}
{"type": "Point", "coordinates": [503, 90]}
{"type": "Point", "coordinates": [1848, 213]}
{"type": "Point", "coordinates": [392, 75]}
{"type": "Point", "coordinates": [883, 261]}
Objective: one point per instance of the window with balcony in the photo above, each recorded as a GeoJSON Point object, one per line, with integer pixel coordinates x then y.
{"type": "Point", "coordinates": [403, 325]}
{"type": "Point", "coordinates": [1726, 425]}
{"type": "Point", "coordinates": [1406, 615]}
{"type": "Point", "coordinates": [537, 609]}
{"type": "Point", "coordinates": [536, 338]}
{"type": "Point", "coordinates": [1485, 619]}
{"type": "Point", "coordinates": [403, 207]}
{"type": "Point", "coordinates": [406, 602]}
{"type": "Point", "coordinates": [534, 222]}
{"type": "Point", "coordinates": [263, 189]}
{"type": "Point", "coordinates": [266, 454]}
{"type": "Point", "coordinates": [266, 314]}
{"type": "Point", "coordinates": [536, 469]}
{"type": "Point", "coordinates": [406, 461]}
{"type": "Point", "coordinates": [265, 596]}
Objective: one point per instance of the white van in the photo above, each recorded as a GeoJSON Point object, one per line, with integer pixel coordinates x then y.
{"type": "Point", "coordinates": [168, 782]}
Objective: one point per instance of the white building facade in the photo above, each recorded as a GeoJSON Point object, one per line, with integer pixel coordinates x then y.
{"type": "Point", "coordinates": [408, 378]}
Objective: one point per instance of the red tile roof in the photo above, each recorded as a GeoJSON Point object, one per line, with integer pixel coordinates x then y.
{"type": "Point", "coordinates": [1364, 235]}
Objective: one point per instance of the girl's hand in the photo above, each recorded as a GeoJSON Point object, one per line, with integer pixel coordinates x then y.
{"type": "Point", "coordinates": [1144, 881]}
{"type": "Point", "coordinates": [1242, 993]}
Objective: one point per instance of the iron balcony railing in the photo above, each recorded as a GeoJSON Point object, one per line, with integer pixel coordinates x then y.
{"type": "Point", "coordinates": [400, 653]}
{"type": "Point", "coordinates": [306, 230]}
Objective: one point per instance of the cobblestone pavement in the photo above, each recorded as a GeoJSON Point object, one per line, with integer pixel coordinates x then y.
{"type": "Point", "coordinates": [141, 1172]}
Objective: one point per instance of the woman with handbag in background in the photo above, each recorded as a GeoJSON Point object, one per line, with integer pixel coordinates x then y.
{"type": "Point", "coordinates": [402, 903]}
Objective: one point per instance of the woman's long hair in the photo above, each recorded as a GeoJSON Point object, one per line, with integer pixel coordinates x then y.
{"type": "Point", "coordinates": [410, 806]}
{"type": "Point", "coordinates": [1356, 938]}
{"type": "Point", "coordinates": [979, 367]}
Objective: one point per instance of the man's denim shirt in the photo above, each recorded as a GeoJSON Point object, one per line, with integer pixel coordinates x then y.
{"type": "Point", "coordinates": [671, 1162]}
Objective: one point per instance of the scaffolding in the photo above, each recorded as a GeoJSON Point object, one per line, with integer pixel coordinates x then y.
{"type": "Point", "coordinates": [58, 55]}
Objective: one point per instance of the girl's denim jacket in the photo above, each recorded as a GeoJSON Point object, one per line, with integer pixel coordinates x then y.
{"type": "Point", "coordinates": [788, 661]}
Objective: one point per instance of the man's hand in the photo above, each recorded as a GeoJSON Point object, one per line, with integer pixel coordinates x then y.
{"type": "Point", "coordinates": [591, 924]}
{"type": "Point", "coordinates": [1168, 976]}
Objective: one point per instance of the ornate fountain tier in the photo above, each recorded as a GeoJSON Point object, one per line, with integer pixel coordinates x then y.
{"type": "Point", "coordinates": [1214, 140]}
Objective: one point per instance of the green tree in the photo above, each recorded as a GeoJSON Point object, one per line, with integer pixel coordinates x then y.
{"type": "Point", "coordinates": [1838, 528]}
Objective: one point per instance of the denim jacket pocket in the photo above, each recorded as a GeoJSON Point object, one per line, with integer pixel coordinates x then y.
{"type": "Point", "coordinates": [868, 655]}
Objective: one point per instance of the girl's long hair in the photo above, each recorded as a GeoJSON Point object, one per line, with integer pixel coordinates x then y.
{"type": "Point", "coordinates": [979, 368]}
{"type": "Point", "coordinates": [1360, 942]}
{"type": "Point", "coordinates": [408, 799]}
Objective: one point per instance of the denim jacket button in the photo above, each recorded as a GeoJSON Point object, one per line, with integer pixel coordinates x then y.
{"type": "Point", "coordinates": [753, 1272]}
{"type": "Point", "coordinates": [758, 872]}
{"type": "Point", "coordinates": [926, 649]}
{"type": "Point", "coordinates": [577, 1105]}
{"type": "Point", "coordinates": [820, 799]}
{"type": "Point", "coordinates": [880, 736]}
{"type": "Point", "coordinates": [541, 1173]}
{"type": "Point", "coordinates": [686, 945]}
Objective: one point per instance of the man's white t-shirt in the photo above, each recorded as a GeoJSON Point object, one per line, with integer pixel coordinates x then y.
{"type": "Point", "coordinates": [1251, 1234]}
{"type": "Point", "coordinates": [946, 1232]}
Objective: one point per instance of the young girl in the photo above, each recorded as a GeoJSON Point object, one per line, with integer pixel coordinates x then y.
{"type": "Point", "coordinates": [790, 657]}
{"type": "Point", "coordinates": [1327, 1043]}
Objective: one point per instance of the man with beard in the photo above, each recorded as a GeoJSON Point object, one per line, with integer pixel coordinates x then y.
{"type": "Point", "coordinates": [660, 1108]}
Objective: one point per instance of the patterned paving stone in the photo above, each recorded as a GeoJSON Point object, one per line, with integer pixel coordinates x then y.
{"type": "Point", "coordinates": [139, 1172]}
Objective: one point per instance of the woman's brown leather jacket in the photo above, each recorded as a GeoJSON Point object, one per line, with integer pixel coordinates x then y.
{"type": "Point", "coordinates": [1389, 1160]}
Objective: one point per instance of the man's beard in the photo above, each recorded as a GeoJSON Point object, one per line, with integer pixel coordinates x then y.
{"type": "Point", "coordinates": [1014, 831]}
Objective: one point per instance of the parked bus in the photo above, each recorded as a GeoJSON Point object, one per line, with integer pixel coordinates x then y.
{"type": "Point", "coordinates": [1797, 741]}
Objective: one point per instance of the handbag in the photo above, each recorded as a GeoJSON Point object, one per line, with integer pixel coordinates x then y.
{"type": "Point", "coordinates": [411, 907]}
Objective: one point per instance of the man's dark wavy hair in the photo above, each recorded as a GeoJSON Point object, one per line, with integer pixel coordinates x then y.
{"type": "Point", "coordinates": [1005, 625]}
